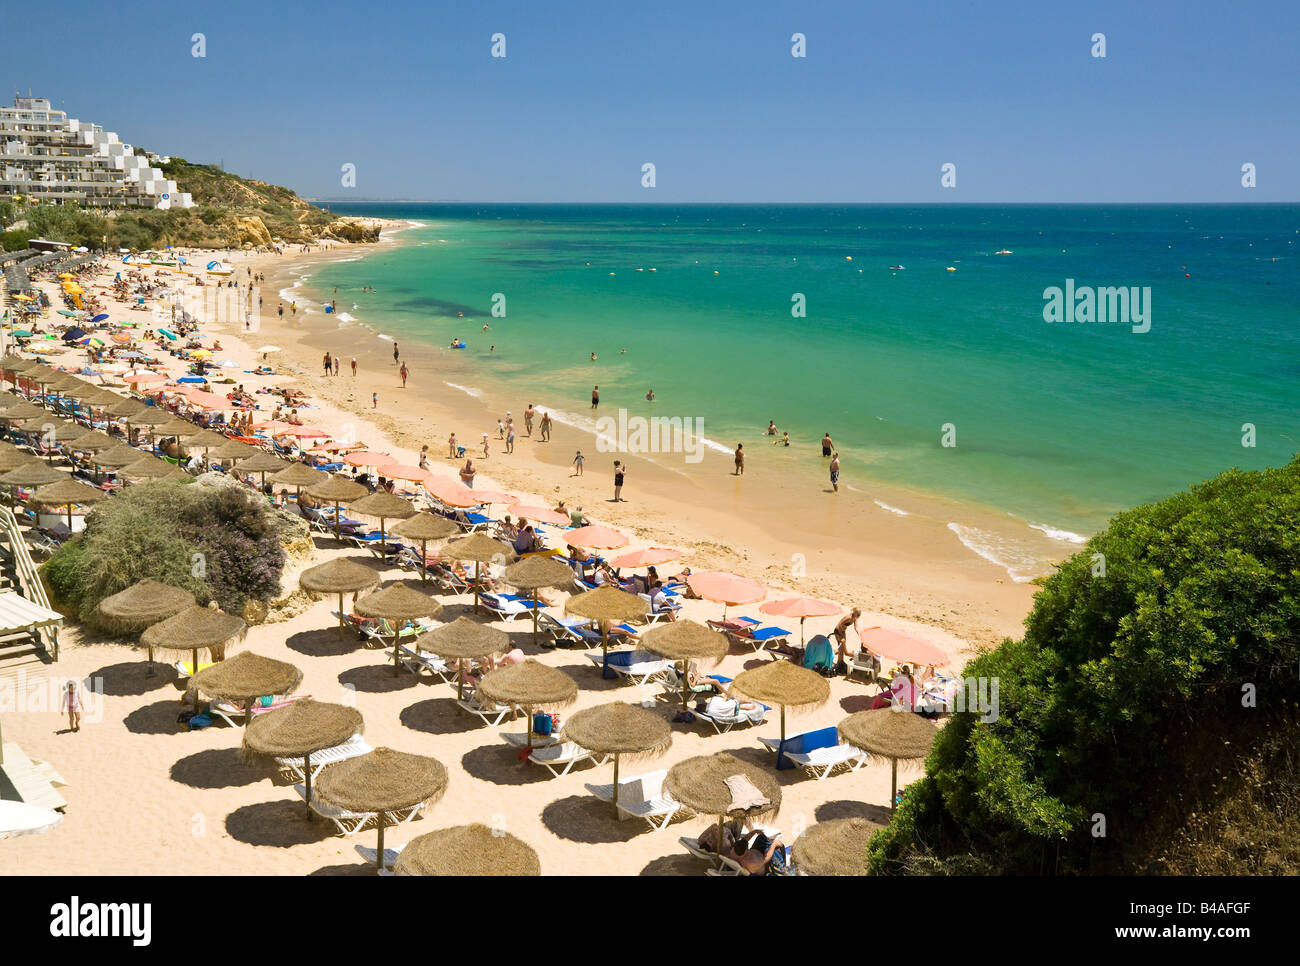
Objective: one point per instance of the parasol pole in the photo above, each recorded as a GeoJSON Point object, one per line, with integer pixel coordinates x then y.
{"type": "Point", "coordinates": [306, 768]}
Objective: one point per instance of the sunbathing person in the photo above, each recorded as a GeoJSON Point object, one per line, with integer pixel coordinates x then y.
{"type": "Point", "coordinates": [755, 855]}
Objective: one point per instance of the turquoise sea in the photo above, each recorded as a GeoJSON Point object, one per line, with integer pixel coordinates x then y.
{"type": "Point", "coordinates": [1059, 424]}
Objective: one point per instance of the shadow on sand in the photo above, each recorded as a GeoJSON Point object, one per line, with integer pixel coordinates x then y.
{"type": "Point", "coordinates": [281, 824]}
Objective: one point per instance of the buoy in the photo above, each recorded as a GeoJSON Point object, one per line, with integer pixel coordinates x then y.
{"type": "Point", "coordinates": [848, 258]}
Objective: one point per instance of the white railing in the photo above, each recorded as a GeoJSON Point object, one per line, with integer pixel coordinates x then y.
{"type": "Point", "coordinates": [29, 581]}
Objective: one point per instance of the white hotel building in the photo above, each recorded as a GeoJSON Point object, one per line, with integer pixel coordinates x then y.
{"type": "Point", "coordinates": [49, 158]}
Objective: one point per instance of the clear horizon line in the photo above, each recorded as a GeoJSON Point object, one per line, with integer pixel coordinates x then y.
{"type": "Point", "coordinates": [785, 204]}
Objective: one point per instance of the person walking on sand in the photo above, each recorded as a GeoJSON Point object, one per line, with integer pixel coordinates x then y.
{"type": "Point", "coordinates": [354, 367]}
{"type": "Point", "coordinates": [740, 459]}
{"type": "Point", "coordinates": [619, 470]}
{"type": "Point", "coordinates": [485, 445]}
{"type": "Point", "coordinates": [827, 445]}
{"type": "Point", "coordinates": [577, 464]}
{"type": "Point", "coordinates": [404, 372]}
{"type": "Point", "coordinates": [451, 447]}
{"type": "Point", "coordinates": [293, 308]}
{"type": "Point", "coordinates": [545, 427]}
{"type": "Point", "coordinates": [510, 438]}
{"type": "Point", "coordinates": [467, 473]}
{"type": "Point", "coordinates": [328, 363]}
{"type": "Point", "coordinates": [835, 471]}
{"type": "Point", "coordinates": [338, 364]}
{"type": "Point", "coordinates": [280, 311]}
{"type": "Point", "coordinates": [595, 397]}
{"type": "Point", "coordinates": [501, 429]}
{"type": "Point", "coordinates": [72, 704]}
{"type": "Point", "coordinates": [528, 420]}
{"type": "Point", "coordinates": [374, 400]}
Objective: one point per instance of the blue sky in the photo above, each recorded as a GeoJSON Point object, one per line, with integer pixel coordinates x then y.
{"type": "Point", "coordinates": [707, 91]}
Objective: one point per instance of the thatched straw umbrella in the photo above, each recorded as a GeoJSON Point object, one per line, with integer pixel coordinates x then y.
{"type": "Point", "coordinates": [115, 457]}
{"type": "Point", "coordinates": [397, 604]}
{"type": "Point", "coordinates": [338, 576]}
{"type": "Point", "coordinates": [196, 629]}
{"type": "Point", "coordinates": [147, 418]}
{"type": "Point", "coordinates": [464, 640]}
{"type": "Point", "coordinates": [837, 847]}
{"type": "Point", "coordinates": [300, 730]}
{"type": "Point", "coordinates": [68, 492]}
{"type": "Point", "coordinates": [93, 441]}
{"type": "Point", "coordinates": [337, 490]}
{"type": "Point", "coordinates": [481, 549]}
{"type": "Point", "coordinates": [685, 641]}
{"type": "Point", "coordinates": [534, 573]}
{"type": "Point", "coordinates": [31, 473]}
{"type": "Point", "coordinates": [606, 605]}
{"type": "Point", "coordinates": [425, 526]}
{"type": "Point", "coordinates": [147, 468]}
{"type": "Point", "coordinates": [180, 428]}
{"type": "Point", "coordinates": [23, 410]}
{"type": "Point", "coordinates": [245, 678]}
{"type": "Point", "coordinates": [527, 686]}
{"type": "Point", "coordinates": [386, 507]}
{"type": "Point", "coordinates": [231, 449]}
{"type": "Point", "coordinates": [121, 406]}
{"type": "Point", "coordinates": [384, 781]}
{"type": "Point", "coordinates": [786, 684]}
{"type": "Point", "coordinates": [141, 605]}
{"type": "Point", "coordinates": [262, 463]}
{"type": "Point", "coordinates": [467, 850]}
{"type": "Point", "coordinates": [299, 475]}
{"type": "Point", "coordinates": [619, 729]}
{"type": "Point", "coordinates": [701, 785]}
{"type": "Point", "coordinates": [11, 457]}
{"type": "Point", "coordinates": [889, 733]}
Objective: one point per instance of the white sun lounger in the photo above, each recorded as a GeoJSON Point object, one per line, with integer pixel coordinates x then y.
{"type": "Point", "coordinates": [354, 746]}
{"type": "Point", "coordinates": [724, 723]}
{"type": "Point", "coordinates": [520, 739]}
{"type": "Point", "coordinates": [820, 762]}
{"type": "Point", "coordinates": [642, 797]}
{"type": "Point", "coordinates": [643, 666]}
{"type": "Point", "coordinates": [349, 823]}
{"type": "Point", "coordinates": [559, 759]}
{"type": "Point", "coordinates": [418, 662]}
{"type": "Point", "coordinates": [390, 855]}
{"type": "Point", "coordinates": [491, 714]}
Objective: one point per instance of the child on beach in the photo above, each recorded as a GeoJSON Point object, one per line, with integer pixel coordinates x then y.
{"type": "Point", "coordinates": [485, 445]}
{"type": "Point", "coordinates": [354, 366]}
{"type": "Point", "coordinates": [424, 456]}
{"type": "Point", "coordinates": [72, 704]}
{"type": "Point", "coordinates": [451, 447]}
{"type": "Point", "coordinates": [404, 372]}
{"type": "Point", "coordinates": [577, 464]}
{"type": "Point", "coordinates": [374, 400]}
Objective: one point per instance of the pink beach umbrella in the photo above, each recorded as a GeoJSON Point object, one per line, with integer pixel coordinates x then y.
{"type": "Point", "coordinates": [141, 377]}
{"type": "Point", "coordinates": [492, 496]}
{"type": "Point", "coordinates": [596, 537]}
{"type": "Point", "coordinates": [451, 492]}
{"type": "Point", "coordinates": [400, 471]}
{"type": "Point", "coordinates": [540, 514]}
{"type": "Point", "coordinates": [649, 557]}
{"type": "Point", "coordinates": [726, 589]}
{"type": "Point", "coordinates": [367, 457]}
{"type": "Point", "coordinates": [802, 608]}
{"type": "Point", "coordinates": [903, 647]}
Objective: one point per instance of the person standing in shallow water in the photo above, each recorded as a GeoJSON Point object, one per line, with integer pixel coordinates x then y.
{"type": "Point", "coordinates": [595, 397]}
{"type": "Point", "coordinates": [740, 459]}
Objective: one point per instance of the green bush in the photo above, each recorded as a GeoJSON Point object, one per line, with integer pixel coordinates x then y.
{"type": "Point", "coordinates": [1200, 595]}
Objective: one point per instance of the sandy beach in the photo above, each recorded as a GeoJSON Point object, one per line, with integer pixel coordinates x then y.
{"type": "Point", "coordinates": [147, 797]}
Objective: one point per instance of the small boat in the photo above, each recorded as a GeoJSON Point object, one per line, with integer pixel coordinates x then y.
{"type": "Point", "coordinates": [896, 268]}
{"type": "Point", "coordinates": [950, 269]}
{"type": "Point", "coordinates": [1005, 251]}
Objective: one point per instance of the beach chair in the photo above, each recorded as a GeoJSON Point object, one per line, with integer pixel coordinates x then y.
{"type": "Point", "coordinates": [568, 630]}
{"type": "Point", "coordinates": [666, 611]}
{"type": "Point", "coordinates": [491, 714]}
{"type": "Point", "coordinates": [642, 797]}
{"type": "Point", "coordinates": [473, 522]}
{"type": "Point", "coordinates": [418, 662]}
{"type": "Point", "coordinates": [723, 723]}
{"type": "Point", "coordinates": [390, 856]}
{"type": "Point", "coordinates": [348, 822]}
{"type": "Point", "coordinates": [233, 715]}
{"type": "Point", "coordinates": [185, 669]}
{"type": "Point", "coordinates": [639, 667]}
{"type": "Point", "coordinates": [354, 746]}
{"type": "Point", "coordinates": [816, 752]}
{"type": "Point", "coordinates": [519, 739]}
{"type": "Point", "coordinates": [864, 662]}
{"type": "Point", "coordinates": [559, 759]}
{"type": "Point", "coordinates": [760, 638]}
{"type": "Point", "coordinates": [509, 608]}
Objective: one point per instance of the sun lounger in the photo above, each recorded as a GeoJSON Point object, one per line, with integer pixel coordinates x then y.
{"type": "Point", "coordinates": [185, 669]}
{"type": "Point", "coordinates": [665, 611]}
{"type": "Point", "coordinates": [816, 752]}
{"type": "Point", "coordinates": [724, 723]}
{"type": "Point", "coordinates": [507, 608]}
{"type": "Point", "coordinates": [473, 522]}
{"type": "Point", "coordinates": [390, 855]}
{"type": "Point", "coordinates": [573, 630]}
{"type": "Point", "coordinates": [492, 714]}
{"type": "Point", "coordinates": [639, 667]}
{"type": "Point", "coordinates": [761, 637]}
{"type": "Point", "coordinates": [418, 662]}
{"type": "Point", "coordinates": [559, 759]}
{"type": "Point", "coordinates": [349, 823]}
{"type": "Point", "coordinates": [354, 746]}
{"type": "Point", "coordinates": [520, 739]}
{"type": "Point", "coordinates": [233, 715]}
{"type": "Point", "coordinates": [642, 797]}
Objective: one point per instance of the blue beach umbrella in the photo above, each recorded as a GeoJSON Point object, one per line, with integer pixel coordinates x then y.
{"type": "Point", "coordinates": [101, 317]}
{"type": "Point", "coordinates": [74, 334]}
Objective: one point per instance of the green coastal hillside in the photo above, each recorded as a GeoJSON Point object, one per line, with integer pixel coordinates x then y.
{"type": "Point", "coordinates": [1148, 718]}
{"type": "Point", "coordinates": [229, 211]}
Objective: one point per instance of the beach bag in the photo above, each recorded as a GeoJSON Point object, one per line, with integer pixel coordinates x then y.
{"type": "Point", "coordinates": [542, 724]}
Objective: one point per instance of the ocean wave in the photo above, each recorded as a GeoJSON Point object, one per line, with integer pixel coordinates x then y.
{"type": "Point", "coordinates": [1020, 563]}
{"type": "Point", "coordinates": [346, 317]}
{"type": "Point", "coordinates": [388, 338]}
{"type": "Point", "coordinates": [1066, 536]}
{"type": "Point", "coordinates": [892, 509]}
{"type": "Point", "coordinates": [467, 390]}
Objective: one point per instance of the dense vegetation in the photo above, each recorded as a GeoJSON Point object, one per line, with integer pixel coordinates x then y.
{"type": "Point", "coordinates": [1154, 690]}
{"type": "Point", "coordinates": [221, 543]}
{"type": "Point", "coordinates": [229, 211]}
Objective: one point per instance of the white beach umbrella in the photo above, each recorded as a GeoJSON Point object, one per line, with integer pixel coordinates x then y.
{"type": "Point", "coordinates": [19, 818]}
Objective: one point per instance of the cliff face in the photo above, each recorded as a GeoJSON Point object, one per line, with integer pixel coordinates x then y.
{"type": "Point", "coordinates": [351, 231]}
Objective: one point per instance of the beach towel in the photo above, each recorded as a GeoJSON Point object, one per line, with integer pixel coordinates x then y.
{"type": "Point", "coordinates": [744, 794]}
{"type": "Point", "coordinates": [818, 653]}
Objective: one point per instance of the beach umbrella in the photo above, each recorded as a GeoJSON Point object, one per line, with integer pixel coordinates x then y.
{"type": "Point", "coordinates": [299, 731]}
{"type": "Point", "coordinates": [244, 678]}
{"type": "Point", "coordinates": [802, 608]}
{"type": "Point", "coordinates": [147, 468]}
{"type": "Point", "coordinates": [33, 474]}
{"type": "Point", "coordinates": [180, 428]}
{"type": "Point", "coordinates": [68, 492]}
{"type": "Point", "coordinates": [148, 418]}
{"type": "Point", "coordinates": [837, 847]}
{"type": "Point", "coordinates": [595, 537]}
{"type": "Point", "coordinates": [534, 573]}
{"type": "Point", "coordinates": [397, 604]}
{"type": "Point", "coordinates": [685, 641]}
{"type": "Point", "coordinates": [463, 640]}
{"type": "Point", "coordinates": [141, 605]}
{"type": "Point", "coordinates": [22, 818]}
{"type": "Point", "coordinates": [451, 492]}
{"type": "Point", "coordinates": [620, 730]}
{"type": "Point", "coordinates": [11, 457]}
{"type": "Point", "coordinates": [93, 441]}
{"type": "Point", "coordinates": [425, 526]}
{"type": "Point", "coordinates": [529, 685]}
{"type": "Point", "coordinates": [118, 456]}
{"type": "Point", "coordinates": [903, 647]}
{"type": "Point", "coordinates": [299, 475]}
{"type": "Point", "coordinates": [268, 348]}
{"type": "Point", "coordinates": [143, 377]}
{"type": "Point", "coordinates": [726, 589]}
{"type": "Point", "coordinates": [487, 496]}
{"type": "Point", "coordinates": [386, 507]}
{"type": "Point", "coordinates": [367, 458]}
{"type": "Point", "coordinates": [231, 449]}
{"type": "Point", "coordinates": [338, 576]}
{"type": "Point", "coordinates": [889, 733]}
{"type": "Point", "coordinates": [196, 629]}
{"type": "Point", "coordinates": [24, 410]}
{"type": "Point", "coordinates": [540, 514]}
{"type": "Point", "coordinates": [121, 406]}
{"type": "Point", "coordinates": [786, 684]}
{"type": "Point", "coordinates": [607, 605]}
{"type": "Point", "coordinates": [337, 490]}
{"type": "Point", "coordinates": [262, 463]}
{"type": "Point", "coordinates": [704, 785]}
{"type": "Point", "coordinates": [466, 850]}
{"type": "Point", "coordinates": [384, 782]}
{"type": "Point", "coordinates": [481, 549]}
{"type": "Point", "coordinates": [650, 557]}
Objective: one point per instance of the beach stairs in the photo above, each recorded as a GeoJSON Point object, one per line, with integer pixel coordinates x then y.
{"type": "Point", "coordinates": [28, 626]}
